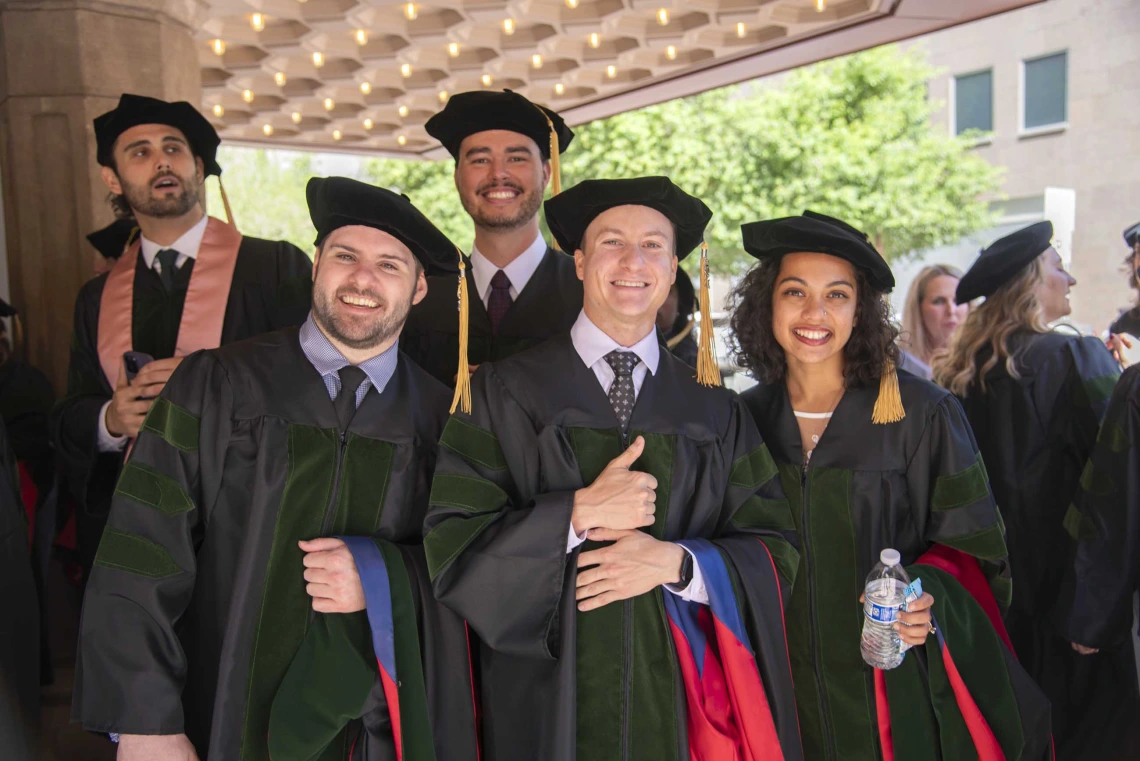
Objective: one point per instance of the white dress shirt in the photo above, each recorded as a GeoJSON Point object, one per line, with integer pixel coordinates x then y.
{"type": "Point", "coordinates": [187, 247]}
{"type": "Point", "coordinates": [519, 272]}
{"type": "Point", "coordinates": [592, 346]}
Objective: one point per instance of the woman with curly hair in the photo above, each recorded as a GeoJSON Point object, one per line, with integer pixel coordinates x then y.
{"type": "Point", "coordinates": [1035, 399]}
{"type": "Point", "coordinates": [873, 459]}
{"type": "Point", "coordinates": [931, 314]}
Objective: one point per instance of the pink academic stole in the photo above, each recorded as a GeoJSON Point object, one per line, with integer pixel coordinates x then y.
{"type": "Point", "coordinates": [202, 314]}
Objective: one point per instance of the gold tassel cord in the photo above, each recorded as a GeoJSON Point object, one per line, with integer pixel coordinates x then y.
{"type": "Point", "coordinates": [555, 160]}
{"type": "Point", "coordinates": [226, 203]}
{"type": "Point", "coordinates": [672, 342]}
{"type": "Point", "coordinates": [889, 406]}
{"type": "Point", "coordinates": [708, 372]}
{"type": "Point", "coordinates": [462, 399]}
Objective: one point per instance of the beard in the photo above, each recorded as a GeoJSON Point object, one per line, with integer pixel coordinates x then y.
{"type": "Point", "coordinates": [142, 201]}
{"type": "Point", "coordinates": [503, 221]}
{"type": "Point", "coordinates": [359, 332]}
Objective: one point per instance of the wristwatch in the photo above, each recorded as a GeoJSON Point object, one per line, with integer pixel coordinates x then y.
{"type": "Point", "coordinates": [686, 571]}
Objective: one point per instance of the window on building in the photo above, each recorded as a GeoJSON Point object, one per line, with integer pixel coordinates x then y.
{"type": "Point", "coordinates": [974, 102]}
{"type": "Point", "coordinates": [1045, 91]}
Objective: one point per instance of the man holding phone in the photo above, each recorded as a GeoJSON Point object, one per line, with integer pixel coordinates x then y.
{"type": "Point", "coordinates": [185, 281]}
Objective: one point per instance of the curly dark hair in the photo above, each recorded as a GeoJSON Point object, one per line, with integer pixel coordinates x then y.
{"type": "Point", "coordinates": [755, 348]}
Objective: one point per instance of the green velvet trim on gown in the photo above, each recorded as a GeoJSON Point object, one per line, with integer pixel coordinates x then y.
{"type": "Point", "coordinates": [150, 486]}
{"type": "Point", "coordinates": [473, 443]}
{"type": "Point", "coordinates": [129, 552]}
{"type": "Point", "coordinates": [176, 426]}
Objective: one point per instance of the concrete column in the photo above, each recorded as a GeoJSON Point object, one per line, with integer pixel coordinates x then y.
{"type": "Point", "coordinates": [62, 63]}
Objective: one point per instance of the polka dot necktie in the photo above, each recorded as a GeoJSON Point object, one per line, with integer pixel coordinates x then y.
{"type": "Point", "coordinates": [621, 390]}
{"type": "Point", "coordinates": [500, 299]}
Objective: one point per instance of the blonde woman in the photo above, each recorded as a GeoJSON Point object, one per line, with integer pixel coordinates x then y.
{"type": "Point", "coordinates": [1035, 399]}
{"type": "Point", "coordinates": [931, 314]}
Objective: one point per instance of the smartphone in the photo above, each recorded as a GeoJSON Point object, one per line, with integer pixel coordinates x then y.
{"type": "Point", "coordinates": [135, 361]}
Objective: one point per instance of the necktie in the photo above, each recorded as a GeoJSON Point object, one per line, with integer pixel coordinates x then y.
{"type": "Point", "coordinates": [500, 300]}
{"type": "Point", "coordinates": [166, 258]}
{"type": "Point", "coordinates": [621, 390]}
{"type": "Point", "coordinates": [351, 377]}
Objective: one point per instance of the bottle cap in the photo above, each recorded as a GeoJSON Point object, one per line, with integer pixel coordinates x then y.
{"type": "Point", "coordinates": [890, 557]}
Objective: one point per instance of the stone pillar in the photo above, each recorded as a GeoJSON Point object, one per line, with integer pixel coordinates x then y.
{"type": "Point", "coordinates": [62, 63]}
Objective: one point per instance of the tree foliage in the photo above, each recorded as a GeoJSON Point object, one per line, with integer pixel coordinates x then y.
{"type": "Point", "coordinates": [851, 137]}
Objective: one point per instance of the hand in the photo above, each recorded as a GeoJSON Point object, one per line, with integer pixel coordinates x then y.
{"type": "Point", "coordinates": [334, 583]}
{"type": "Point", "coordinates": [1117, 343]}
{"type": "Point", "coordinates": [914, 624]}
{"type": "Point", "coordinates": [156, 748]}
{"type": "Point", "coordinates": [1085, 650]}
{"type": "Point", "coordinates": [131, 401]}
{"type": "Point", "coordinates": [634, 564]}
{"type": "Point", "coordinates": [619, 499]}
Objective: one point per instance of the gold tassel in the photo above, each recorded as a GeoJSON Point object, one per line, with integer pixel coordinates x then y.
{"type": "Point", "coordinates": [555, 160]}
{"type": "Point", "coordinates": [462, 399]}
{"type": "Point", "coordinates": [226, 203]}
{"type": "Point", "coordinates": [708, 372]}
{"type": "Point", "coordinates": [889, 406]}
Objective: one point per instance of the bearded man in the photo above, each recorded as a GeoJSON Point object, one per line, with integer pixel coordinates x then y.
{"type": "Point", "coordinates": [186, 282]}
{"type": "Point", "coordinates": [230, 613]}
{"type": "Point", "coordinates": [522, 291]}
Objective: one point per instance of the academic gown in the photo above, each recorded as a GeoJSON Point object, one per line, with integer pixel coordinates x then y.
{"type": "Point", "coordinates": [1095, 607]}
{"type": "Point", "coordinates": [271, 289]}
{"type": "Point", "coordinates": [1036, 433]}
{"type": "Point", "coordinates": [907, 486]}
{"type": "Point", "coordinates": [196, 608]}
{"type": "Point", "coordinates": [558, 684]}
{"type": "Point", "coordinates": [546, 307]}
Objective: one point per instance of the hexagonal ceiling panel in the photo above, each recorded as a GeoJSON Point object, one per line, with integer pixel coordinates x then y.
{"type": "Point", "coordinates": [366, 74]}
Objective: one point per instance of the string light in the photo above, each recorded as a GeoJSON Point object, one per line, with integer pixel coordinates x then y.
{"type": "Point", "coordinates": [571, 4]}
{"type": "Point", "coordinates": [402, 139]}
{"type": "Point", "coordinates": [279, 78]}
{"type": "Point", "coordinates": [671, 52]}
{"type": "Point", "coordinates": [365, 87]}
{"type": "Point", "coordinates": [406, 69]}
{"type": "Point", "coordinates": [368, 124]}
{"type": "Point", "coordinates": [330, 104]}
{"type": "Point", "coordinates": [443, 96]}
{"type": "Point", "coordinates": [508, 26]}
{"type": "Point", "coordinates": [267, 129]}
{"type": "Point", "coordinates": [257, 21]}
{"type": "Point", "coordinates": [663, 16]}
{"type": "Point", "coordinates": [219, 111]}
{"type": "Point", "coordinates": [247, 96]}
{"type": "Point", "coordinates": [361, 37]}
{"type": "Point", "coordinates": [611, 71]}
{"type": "Point", "coordinates": [403, 111]}
{"type": "Point", "coordinates": [318, 59]}
{"type": "Point", "coordinates": [411, 11]}
{"type": "Point", "coordinates": [487, 80]}
{"type": "Point", "coordinates": [453, 49]}
{"type": "Point", "coordinates": [536, 61]}
{"type": "Point", "coordinates": [218, 46]}
{"type": "Point", "coordinates": [820, 6]}
{"type": "Point", "coordinates": [595, 40]}
{"type": "Point", "coordinates": [336, 134]}
{"type": "Point", "coordinates": [741, 29]}
{"type": "Point", "coordinates": [296, 117]}
{"type": "Point", "coordinates": [559, 88]}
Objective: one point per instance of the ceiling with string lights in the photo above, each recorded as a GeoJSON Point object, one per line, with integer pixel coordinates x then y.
{"type": "Point", "coordinates": [365, 74]}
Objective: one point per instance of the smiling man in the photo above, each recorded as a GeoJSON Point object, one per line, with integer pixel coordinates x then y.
{"type": "Point", "coordinates": [601, 515]}
{"type": "Point", "coordinates": [186, 282]}
{"type": "Point", "coordinates": [523, 291]}
{"type": "Point", "coordinates": [223, 618]}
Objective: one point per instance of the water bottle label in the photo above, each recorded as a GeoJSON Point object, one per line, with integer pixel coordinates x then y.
{"type": "Point", "coordinates": [912, 592]}
{"type": "Point", "coordinates": [884, 614]}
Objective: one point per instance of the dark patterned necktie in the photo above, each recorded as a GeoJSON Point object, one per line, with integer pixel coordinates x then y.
{"type": "Point", "coordinates": [166, 259]}
{"type": "Point", "coordinates": [500, 300]}
{"type": "Point", "coordinates": [351, 377]}
{"type": "Point", "coordinates": [621, 390]}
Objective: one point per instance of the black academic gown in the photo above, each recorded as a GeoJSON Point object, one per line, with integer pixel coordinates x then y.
{"type": "Point", "coordinates": [546, 307]}
{"type": "Point", "coordinates": [1127, 322]}
{"type": "Point", "coordinates": [26, 399]}
{"type": "Point", "coordinates": [1095, 607]}
{"type": "Point", "coordinates": [557, 684]}
{"type": "Point", "coordinates": [1036, 433]}
{"type": "Point", "coordinates": [271, 289]}
{"type": "Point", "coordinates": [196, 606]}
{"type": "Point", "coordinates": [907, 486]}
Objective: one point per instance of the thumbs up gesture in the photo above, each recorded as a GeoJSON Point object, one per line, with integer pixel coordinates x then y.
{"type": "Point", "coordinates": [620, 498]}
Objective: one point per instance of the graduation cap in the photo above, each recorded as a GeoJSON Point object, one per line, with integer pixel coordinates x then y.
{"type": "Point", "coordinates": [134, 110]}
{"type": "Point", "coordinates": [1132, 237]}
{"type": "Point", "coordinates": [112, 240]}
{"type": "Point", "coordinates": [336, 202]}
{"type": "Point", "coordinates": [997, 264]}
{"type": "Point", "coordinates": [467, 113]}
{"type": "Point", "coordinates": [569, 214]}
{"type": "Point", "coordinates": [818, 233]}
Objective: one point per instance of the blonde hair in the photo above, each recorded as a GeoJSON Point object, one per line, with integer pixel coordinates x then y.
{"type": "Point", "coordinates": [914, 337]}
{"type": "Point", "coordinates": [1013, 308]}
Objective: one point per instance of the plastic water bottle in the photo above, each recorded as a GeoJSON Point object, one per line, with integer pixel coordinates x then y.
{"type": "Point", "coordinates": [884, 597]}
